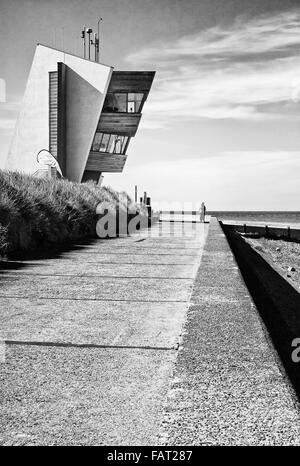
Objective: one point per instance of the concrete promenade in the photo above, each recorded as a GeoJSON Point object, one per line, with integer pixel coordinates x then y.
{"type": "Point", "coordinates": [92, 336]}
{"type": "Point", "coordinates": [228, 386]}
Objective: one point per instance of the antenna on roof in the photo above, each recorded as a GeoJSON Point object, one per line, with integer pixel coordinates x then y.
{"type": "Point", "coordinates": [98, 39]}
{"type": "Point", "coordinates": [94, 42]}
{"type": "Point", "coordinates": [83, 37]}
{"type": "Point", "coordinates": [89, 32]}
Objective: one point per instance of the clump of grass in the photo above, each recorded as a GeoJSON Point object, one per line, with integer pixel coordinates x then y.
{"type": "Point", "coordinates": [38, 211]}
{"type": "Point", "coordinates": [3, 240]}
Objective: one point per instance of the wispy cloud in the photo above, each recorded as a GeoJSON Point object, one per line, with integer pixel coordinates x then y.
{"type": "Point", "coordinates": [247, 71]}
{"type": "Point", "coordinates": [235, 180]}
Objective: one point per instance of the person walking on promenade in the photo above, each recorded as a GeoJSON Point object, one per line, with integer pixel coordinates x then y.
{"type": "Point", "coordinates": [202, 212]}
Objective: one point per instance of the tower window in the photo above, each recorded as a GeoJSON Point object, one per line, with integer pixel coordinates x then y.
{"type": "Point", "coordinates": [111, 143]}
{"type": "Point", "coordinates": [123, 102]}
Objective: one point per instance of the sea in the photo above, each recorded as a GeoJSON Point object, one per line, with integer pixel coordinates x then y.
{"type": "Point", "coordinates": [262, 217]}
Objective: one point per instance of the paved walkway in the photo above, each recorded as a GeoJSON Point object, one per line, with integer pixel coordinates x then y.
{"type": "Point", "coordinates": [91, 337]}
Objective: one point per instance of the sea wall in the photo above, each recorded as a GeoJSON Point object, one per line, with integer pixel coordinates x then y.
{"type": "Point", "coordinates": [276, 299]}
{"type": "Point", "coordinates": [289, 233]}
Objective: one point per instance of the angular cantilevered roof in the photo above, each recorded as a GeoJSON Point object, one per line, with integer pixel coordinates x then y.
{"type": "Point", "coordinates": [120, 122]}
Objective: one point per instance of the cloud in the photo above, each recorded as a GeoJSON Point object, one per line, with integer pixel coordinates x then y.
{"type": "Point", "coordinates": [248, 71]}
{"type": "Point", "coordinates": [235, 180]}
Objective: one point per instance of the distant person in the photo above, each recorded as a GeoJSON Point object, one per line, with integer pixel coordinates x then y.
{"type": "Point", "coordinates": [202, 212]}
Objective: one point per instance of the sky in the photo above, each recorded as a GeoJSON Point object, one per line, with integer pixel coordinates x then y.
{"type": "Point", "coordinates": [221, 123]}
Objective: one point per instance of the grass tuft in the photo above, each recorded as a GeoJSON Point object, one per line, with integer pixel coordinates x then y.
{"type": "Point", "coordinates": [37, 211]}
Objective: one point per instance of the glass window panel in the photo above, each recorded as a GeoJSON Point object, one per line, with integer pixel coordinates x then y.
{"type": "Point", "coordinates": [104, 142]}
{"type": "Point", "coordinates": [118, 145]}
{"type": "Point", "coordinates": [111, 144]}
{"type": "Point", "coordinates": [138, 101]}
{"type": "Point", "coordinates": [115, 103]}
{"type": "Point", "coordinates": [125, 139]}
{"type": "Point", "coordinates": [131, 107]}
{"type": "Point", "coordinates": [109, 103]}
{"type": "Point", "coordinates": [120, 102]}
{"type": "Point", "coordinates": [134, 102]}
{"type": "Point", "coordinates": [96, 142]}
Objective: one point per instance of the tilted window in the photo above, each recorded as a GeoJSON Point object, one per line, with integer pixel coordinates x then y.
{"type": "Point", "coordinates": [123, 102]}
{"type": "Point", "coordinates": [134, 102]}
{"type": "Point", "coordinates": [112, 143]}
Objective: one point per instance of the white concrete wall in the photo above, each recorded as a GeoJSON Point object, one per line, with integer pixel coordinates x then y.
{"type": "Point", "coordinates": [84, 105]}
{"type": "Point", "coordinates": [32, 128]}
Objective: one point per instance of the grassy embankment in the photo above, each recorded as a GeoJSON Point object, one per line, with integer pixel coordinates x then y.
{"type": "Point", "coordinates": [36, 212]}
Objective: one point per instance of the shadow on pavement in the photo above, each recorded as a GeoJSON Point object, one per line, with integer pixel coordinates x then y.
{"type": "Point", "coordinates": [15, 260]}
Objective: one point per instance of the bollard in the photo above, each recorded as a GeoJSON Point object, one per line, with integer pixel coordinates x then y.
{"type": "Point", "coordinates": [135, 194]}
{"type": "Point", "coordinates": [148, 203]}
{"type": "Point", "coordinates": [245, 228]}
{"type": "Point", "coordinates": [267, 231]}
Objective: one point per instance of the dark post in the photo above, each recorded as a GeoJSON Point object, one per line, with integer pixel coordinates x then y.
{"type": "Point", "coordinates": [95, 45]}
{"type": "Point", "coordinates": [135, 194]}
{"type": "Point", "coordinates": [148, 203]}
{"type": "Point", "coordinates": [98, 40]}
{"type": "Point", "coordinates": [89, 32]}
{"type": "Point", "coordinates": [83, 37]}
{"type": "Point", "coordinates": [267, 231]}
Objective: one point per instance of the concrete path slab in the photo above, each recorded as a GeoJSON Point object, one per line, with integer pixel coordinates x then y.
{"type": "Point", "coordinates": [92, 322]}
{"type": "Point", "coordinates": [36, 268]}
{"type": "Point", "coordinates": [132, 289]}
{"type": "Point", "coordinates": [116, 258]}
{"type": "Point", "coordinates": [80, 396]}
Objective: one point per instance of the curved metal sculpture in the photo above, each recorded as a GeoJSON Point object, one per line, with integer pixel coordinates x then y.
{"type": "Point", "coordinates": [44, 157]}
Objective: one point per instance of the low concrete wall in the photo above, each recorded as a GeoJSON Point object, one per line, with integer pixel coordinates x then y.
{"type": "Point", "coordinates": [267, 231]}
